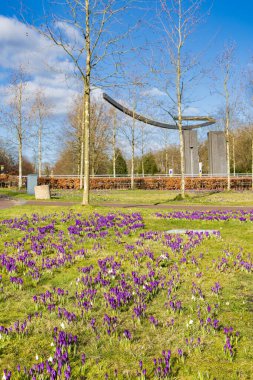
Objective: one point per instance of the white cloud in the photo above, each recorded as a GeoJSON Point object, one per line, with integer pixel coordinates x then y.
{"type": "Point", "coordinates": [47, 68]}
{"type": "Point", "coordinates": [45, 63]}
{"type": "Point", "coordinates": [192, 111]}
{"type": "Point", "coordinates": [23, 46]}
{"type": "Point", "coordinates": [73, 35]}
{"type": "Point", "coordinates": [153, 92]}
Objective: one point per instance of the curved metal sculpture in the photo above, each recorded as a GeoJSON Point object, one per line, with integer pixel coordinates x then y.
{"type": "Point", "coordinates": [207, 120]}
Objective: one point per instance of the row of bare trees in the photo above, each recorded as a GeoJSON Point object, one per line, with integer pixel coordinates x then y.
{"type": "Point", "coordinates": [100, 137]}
{"type": "Point", "coordinates": [168, 157]}
{"type": "Point", "coordinates": [97, 40]}
{"type": "Point", "coordinates": [25, 119]}
{"type": "Point", "coordinates": [94, 35]}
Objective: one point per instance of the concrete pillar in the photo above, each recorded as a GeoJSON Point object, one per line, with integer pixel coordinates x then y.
{"type": "Point", "coordinates": [191, 155]}
{"type": "Point", "coordinates": [217, 154]}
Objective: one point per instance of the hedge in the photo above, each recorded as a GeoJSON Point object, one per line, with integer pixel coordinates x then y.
{"type": "Point", "coordinates": [150, 183]}
{"type": "Point", "coordinates": [146, 183]}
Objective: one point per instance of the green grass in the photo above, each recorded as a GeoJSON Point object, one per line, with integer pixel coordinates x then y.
{"type": "Point", "coordinates": [144, 197]}
{"type": "Point", "coordinates": [104, 355]}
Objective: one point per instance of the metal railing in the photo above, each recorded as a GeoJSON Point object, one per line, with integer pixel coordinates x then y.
{"type": "Point", "coordinates": [237, 175]}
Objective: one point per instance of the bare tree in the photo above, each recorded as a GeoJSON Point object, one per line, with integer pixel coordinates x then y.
{"type": "Point", "coordinates": [133, 143]}
{"type": "Point", "coordinates": [88, 32]}
{"type": "Point", "coordinates": [142, 149]}
{"type": "Point", "coordinates": [99, 136]}
{"type": "Point", "coordinates": [76, 135]}
{"type": "Point", "coordinates": [129, 129]}
{"type": "Point", "coordinates": [233, 152]}
{"type": "Point", "coordinates": [165, 136]}
{"type": "Point", "coordinates": [40, 110]}
{"type": "Point", "coordinates": [129, 133]}
{"type": "Point", "coordinates": [225, 61]}
{"type": "Point", "coordinates": [17, 118]}
{"type": "Point", "coordinates": [114, 140]}
{"type": "Point", "coordinates": [178, 19]}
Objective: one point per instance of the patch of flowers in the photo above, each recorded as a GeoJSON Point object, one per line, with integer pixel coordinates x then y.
{"type": "Point", "coordinates": [122, 291]}
{"type": "Point", "coordinates": [213, 215]}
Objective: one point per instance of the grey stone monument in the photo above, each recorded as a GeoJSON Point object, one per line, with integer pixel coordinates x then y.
{"type": "Point", "coordinates": [217, 159]}
{"type": "Point", "coordinates": [32, 181]}
{"type": "Point", "coordinates": [191, 156]}
{"type": "Point", "coordinates": [217, 153]}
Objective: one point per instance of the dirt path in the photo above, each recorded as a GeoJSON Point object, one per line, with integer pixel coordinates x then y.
{"type": "Point", "coordinates": [7, 203]}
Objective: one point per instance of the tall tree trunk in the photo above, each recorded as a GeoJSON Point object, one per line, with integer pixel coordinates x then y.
{"type": "Point", "coordinates": [227, 130]}
{"type": "Point", "coordinates": [86, 189]}
{"type": "Point", "coordinates": [20, 159]}
{"type": "Point", "coordinates": [179, 101]}
{"type": "Point", "coordinates": [20, 134]}
{"type": "Point", "coordinates": [252, 164]}
{"type": "Point", "coordinates": [142, 167]}
{"type": "Point", "coordinates": [40, 151]}
{"type": "Point", "coordinates": [82, 149]}
{"type": "Point", "coordinates": [142, 151]}
{"type": "Point", "coordinates": [133, 149]}
{"type": "Point", "coordinates": [166, 163]}
{"type": "Point", "coordinates": [132, 167]}
{"type": "Point", "coordinates": [234, 155]}
{"type": "Point", "coordinates": [180, 126]}
{"type": "Point", "coordinates": [114, 144]}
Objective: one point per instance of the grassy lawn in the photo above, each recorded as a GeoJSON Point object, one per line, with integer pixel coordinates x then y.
{"type": "Point", "coordinates": [152, 197]}
{"type": "Point", "coordinates": [129, 291]}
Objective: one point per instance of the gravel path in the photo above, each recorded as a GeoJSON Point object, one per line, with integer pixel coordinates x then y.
{"type": "Point", "coordinates": [7, 203]}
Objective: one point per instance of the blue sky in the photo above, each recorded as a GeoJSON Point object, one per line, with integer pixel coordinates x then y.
{"type": "Point", "coordinates": [229, 20]}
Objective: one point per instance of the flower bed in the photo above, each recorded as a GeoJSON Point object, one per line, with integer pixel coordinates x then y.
{"type": "Point", "coordinates": [102, 296]}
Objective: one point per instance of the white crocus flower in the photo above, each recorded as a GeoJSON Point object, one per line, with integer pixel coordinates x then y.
{"type": "Point", "coordinates": [189, 323]}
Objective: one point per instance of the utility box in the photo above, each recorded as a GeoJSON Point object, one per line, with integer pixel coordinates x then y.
{"type": "Point", "coordinates": [32, 181]}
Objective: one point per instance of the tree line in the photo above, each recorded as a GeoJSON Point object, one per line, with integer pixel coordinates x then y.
{"type": "Point", "coordinates": [106, 148]}
{"type": "Point", "coordinates": [96, 38]}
